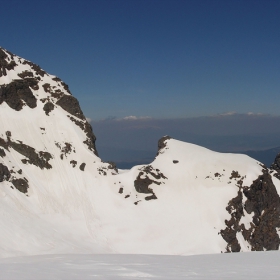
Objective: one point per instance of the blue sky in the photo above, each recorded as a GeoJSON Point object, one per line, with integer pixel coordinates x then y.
{"type": "Point", "coordinates": [157, 58]}
{"type": "Point", "coordinates": [184, 64]}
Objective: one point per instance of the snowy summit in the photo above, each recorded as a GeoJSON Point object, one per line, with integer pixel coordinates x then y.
{"type": "Point", "coordinates": [58, 197]}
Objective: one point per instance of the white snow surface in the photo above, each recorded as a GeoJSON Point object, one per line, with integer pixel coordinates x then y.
{"type": "Point", "coordinates": [253, 265]}
{"type": "Point", "coordinates": [70, 211]}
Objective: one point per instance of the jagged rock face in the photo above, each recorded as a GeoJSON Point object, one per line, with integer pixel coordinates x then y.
{"type": "Point", "coordinates": [32, 95]}
{"type": "Point", "coordinates": [48, 107]}
{"type": "Point", "coordinates": [235, 209]}
{"type": "Point", "coordinates": [4, 64]}
{"type": "Point", "coordinates": [86, 127]}
{"type": "Point", "coordinates": [276, 166]}
{"type": "Point", "coordinates": [143, 180]}
{"type": "Point", "coordinates": [31, 156]}
{"type": "Point", "coordinates": [4, 173]}
{"type": "Point", "coordinates": [2, 153]}
{"type": "Point", "coordinates": [263, 201]}
{"type": "Point", "coordinates": [39, 159]}
{"type": "Point", "coordinates": [15, 93]}
{"type": "Point", "coordinates": [21, 184]}
{"type": "Point", "coordinates": [162, 143]}
{"type": "Point", "coordinates": [24, 86]}
{"type": "Point", "coordinates": [71, 105]}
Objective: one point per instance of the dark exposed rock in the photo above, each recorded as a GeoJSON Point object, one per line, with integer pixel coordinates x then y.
{"type": "Point", "coordinates": [32, 82]}
{"type": "Point", "coordinates": [127, 196]}
{"type": "Point", "coordinates": [153, 196]}
{"type": "Point", "coordinates": [121, 190]}
{"type": "Point", "coordinates": [101, 171]}
{"type": "Point", "coordinates": [47, 88]}
{"type": "Point", "coordinates": [148, 169]}
{"type": "Point", "coordinates": [36, 68]}
{"type": "Point", "coordinates": [21, 184]}
{"type": "Point", "coordinates": [276, 166]}
{"type": "Point", "coordinates": [45, 155]}
{"type": "Point", "coordinates": [74, 163]}
{"type": "Point", "coordinates": [4, 144]}
{"type": "Point", "coordinates": [82, 166]}
{"type": "Point", "coordinates": [4, 173]}
{"type": "Point", "coordinates": [4, 64]}
{"type": "Point", "coordinates": [264, 202]}
{"type": "Point", "coordinates": [25, 74]}
{"type": "Point", "coordinates": [86, 127]}
{"type": "Point", "coordinates": [112, 165]}
{"type": "Point", "coordinates": [2, 153]}
{"type": "Point", "coordinates": [161, 143]}
{"type": "Point", "coordinates": [15, 93]}
{"type": "Point", "coordinates": [39, 159]}
{"type": "Point", "coordinates": [11, 54]}
{"type": "Point", "coordinates": [143, 182]}
{"type": "Point", "coordinates": [175, 161]}
{"type": "Point", "coordinates": [235, 209]}
{"type": "Point", "coordinates": [234, 175]}
{"type": "Point", "coordinates": [30, 79]}
{"type": "Point", "coordinates": [71, 105]}
{"type": "Point", "coordinates": [66, 149]}
{"type": "Point", "coordinates": [90, 142]}
{"type": "Point", "coordinates": [65, 86]}
{"type": "Point", "coordinates": [48, 107]}
{"type": "Point", "coordinates": [80, 124]}
{"type": "Point", "coordinates": [56, 93]}
{"type": "Point", "coordinates": [56, 79]}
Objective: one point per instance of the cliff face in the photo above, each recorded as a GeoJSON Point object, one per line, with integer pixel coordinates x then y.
{"type": "Point", "coordinates": [57, 196]}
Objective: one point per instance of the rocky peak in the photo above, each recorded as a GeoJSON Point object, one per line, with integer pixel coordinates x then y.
{"type": "Point", "coordinates": [6, 62]}
{"type": "Point", "coordinates": [23, 83]}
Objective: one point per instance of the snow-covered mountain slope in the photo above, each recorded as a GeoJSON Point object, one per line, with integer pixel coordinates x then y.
{"type": "Point", "coordinates": [57, 196]}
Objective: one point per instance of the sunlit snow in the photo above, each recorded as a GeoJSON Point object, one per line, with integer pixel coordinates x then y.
{"type": "Point", "coordinates": [83, 224]}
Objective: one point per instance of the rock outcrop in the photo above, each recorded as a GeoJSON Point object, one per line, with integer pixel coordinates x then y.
{"type": "Point", "coordinates": [263, 201]}
{"type": "Point", "coordinates": [276, 166]}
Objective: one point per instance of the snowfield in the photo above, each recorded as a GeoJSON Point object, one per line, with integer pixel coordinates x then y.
{"type": "Point", "coordinates": [238, 266]}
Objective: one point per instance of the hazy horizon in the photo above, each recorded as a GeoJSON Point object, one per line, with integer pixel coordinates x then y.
{"type": "Point", "coordinates": [133, 141]}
